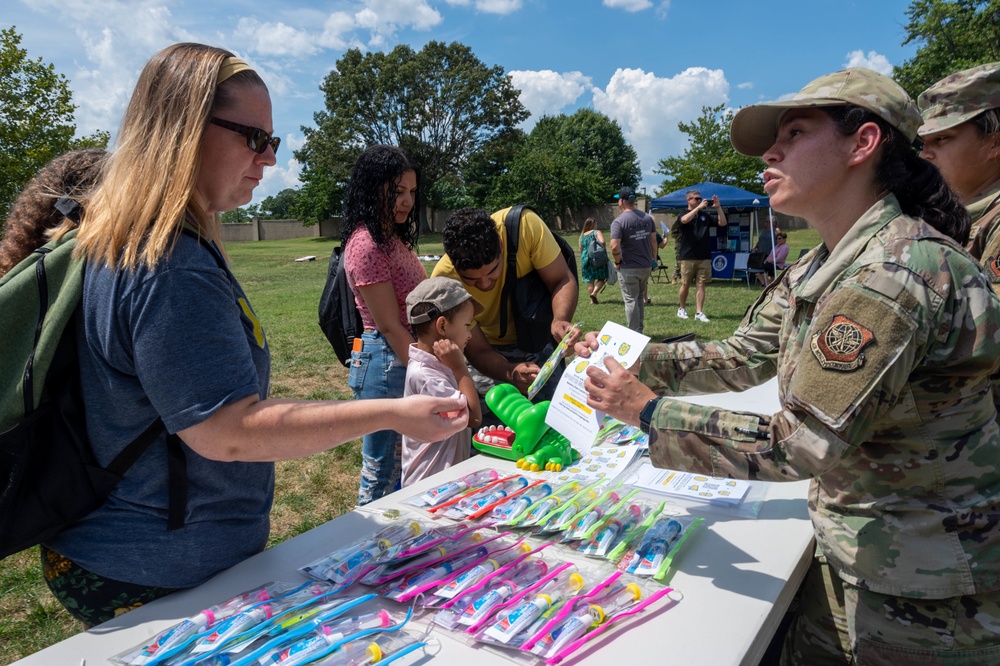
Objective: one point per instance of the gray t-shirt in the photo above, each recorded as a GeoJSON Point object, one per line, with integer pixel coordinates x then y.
{"type": "Point", "coordinates": [632, 228]}
{"type": "Point", "coordinates": [180, 341]}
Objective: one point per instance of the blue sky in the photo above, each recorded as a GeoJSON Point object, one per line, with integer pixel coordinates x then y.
{"type": "Point", "coordinates": [648, 64]}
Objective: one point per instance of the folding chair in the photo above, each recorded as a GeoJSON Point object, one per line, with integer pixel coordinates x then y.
{"type": "Point", "coordinates": [662, 272]}
{"type": "Point", "coordinates": [755, 266]}
{"type": "Point", "coordinates": [746, 264]}
{"type": "Point", "coordinates": [740, 271]}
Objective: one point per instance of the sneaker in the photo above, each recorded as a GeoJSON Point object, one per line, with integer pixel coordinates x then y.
{"type": "Point", "coordinates": [682, 313]}
{"type": "Point", "coordinates": [700, 316]}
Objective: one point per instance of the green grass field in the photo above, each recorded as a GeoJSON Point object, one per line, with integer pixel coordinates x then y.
{"type": "Point", "coordinates": [314, 490]}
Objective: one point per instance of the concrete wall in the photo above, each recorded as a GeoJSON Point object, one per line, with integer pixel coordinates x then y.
{"type": "Point", "coordinates": [240, 233]}
{"type": "Point", "coordinates": [279, 230]}
{"type": "Point", "coordinates": [285, 229]}
{"type": "Point", "coordinates": [570, 222]}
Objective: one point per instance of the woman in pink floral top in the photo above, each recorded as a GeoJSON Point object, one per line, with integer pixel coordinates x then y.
{"type": "Point", "coordinates": [379, 233]}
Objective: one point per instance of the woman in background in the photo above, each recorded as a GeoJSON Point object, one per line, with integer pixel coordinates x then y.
{"type": "Point", "coordinates": [379, 233]}
{"type": "Point", "coordinates": [775, 261]}
{"type": "Point", "coordinates": [961, 135]}
{"type": "Point", "coordinates": [49, 204]}
{"type": "Point", "coordinates": [595, 277]}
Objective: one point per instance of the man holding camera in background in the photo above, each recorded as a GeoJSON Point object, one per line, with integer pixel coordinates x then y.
{"type": "Point", "coordinates": [696, 250]}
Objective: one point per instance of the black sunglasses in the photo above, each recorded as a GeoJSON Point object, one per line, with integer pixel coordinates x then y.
{"type": "Point", "coordinates": [257, 139]}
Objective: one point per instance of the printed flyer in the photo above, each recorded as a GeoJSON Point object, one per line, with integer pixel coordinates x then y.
{"type": "Point", "coordinates": [569, 413]}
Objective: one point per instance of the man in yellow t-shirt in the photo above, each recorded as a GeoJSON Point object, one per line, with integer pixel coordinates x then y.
{"type": "Point", "coordinates": [475, 253]}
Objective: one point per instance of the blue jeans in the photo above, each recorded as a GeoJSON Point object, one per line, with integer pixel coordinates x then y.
{"type": "Point", "coordinates": [376, 373]}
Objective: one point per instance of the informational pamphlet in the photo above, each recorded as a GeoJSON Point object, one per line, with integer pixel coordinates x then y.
{"type": "Point", "coordinates": [691, 486]}
{"type": "Point", "coordinates": [568, 412]}
{"type": "Point", "coordinates": [605, 463]}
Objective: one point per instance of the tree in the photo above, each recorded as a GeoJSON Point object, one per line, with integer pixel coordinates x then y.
{"type": "Point", "coordinates": [485, 166]}
{"type": "Point", "coordinates": [241, 215]}
{"type": "Point", "coordinates": [281, 206]}
{"type": "Point", "coordinates": [36, 117]}
{"type": "Point", "coordinates": [440, 104]}
{"type": "Point", "coordinates": [710, 156]}
{"type": "Point", "coordinates": [567, 162]}
{"type": "Point", "coordinates": [953, 35]}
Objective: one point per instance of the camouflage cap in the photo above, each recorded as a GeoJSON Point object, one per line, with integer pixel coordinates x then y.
{"type": "Point", "coordinates": [755, 127]}
{"type": "Point", "coordinates": [960, 97]}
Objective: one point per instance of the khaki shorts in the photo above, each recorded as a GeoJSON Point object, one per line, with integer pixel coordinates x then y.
{"type": "Point", "coordinates": [696, 268]}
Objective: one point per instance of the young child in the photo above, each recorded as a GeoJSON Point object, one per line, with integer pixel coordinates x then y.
{"type": "Point", "coordinates": [440, 311]}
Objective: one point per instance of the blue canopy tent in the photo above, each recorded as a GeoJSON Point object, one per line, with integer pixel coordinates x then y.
{"type": "Point", "coordinates": [729, 197]}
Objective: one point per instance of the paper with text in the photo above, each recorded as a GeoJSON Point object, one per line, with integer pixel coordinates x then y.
{"type": "Point", "coordinates": [569, 413]}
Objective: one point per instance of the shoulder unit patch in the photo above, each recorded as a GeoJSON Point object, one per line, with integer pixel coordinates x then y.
{"type": "Point", "coordinates": [841, 345]}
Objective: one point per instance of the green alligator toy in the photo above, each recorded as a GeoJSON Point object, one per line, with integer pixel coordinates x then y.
{"type": "Point", "coordinates": [526, 439]}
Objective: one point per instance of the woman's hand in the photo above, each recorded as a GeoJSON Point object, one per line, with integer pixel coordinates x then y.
{"type": "Point", "coordinates": [616, 392]}
{"type": "Point", "coordinates": [429, 419]}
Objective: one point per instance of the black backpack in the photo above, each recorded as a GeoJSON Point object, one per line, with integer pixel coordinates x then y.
{"type": "Point", "coordinates": [338, 313]}
{"type": "Point", "coordinates": [532, 298]}
{"type": "Point", "coordinates": [49, 476]}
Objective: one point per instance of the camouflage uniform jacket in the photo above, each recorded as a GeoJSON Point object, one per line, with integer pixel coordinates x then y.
{"type": "Point", "coordinates": [984, 238]}
{"type": "Point", "coordinates": [883, 350]}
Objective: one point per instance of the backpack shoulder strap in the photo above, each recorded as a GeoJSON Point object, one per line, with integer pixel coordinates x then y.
{"type": "Point", "coordinates": [512, 223]}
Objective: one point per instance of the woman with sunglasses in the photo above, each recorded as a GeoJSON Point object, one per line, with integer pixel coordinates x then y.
{"type": "Point", "coordinates": [379, 232]}
{"type": "Point", "coordinates": [775, 260]}
{"type": "Point", "coordinates": [884, 340]}
{"type": "Point", "coordinates": [169, 343]}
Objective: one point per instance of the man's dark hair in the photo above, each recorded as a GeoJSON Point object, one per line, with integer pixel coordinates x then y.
{"type": "Point", "coordinates": [423, 308]}
{"type": "Point", "coordinates": [470, 239]}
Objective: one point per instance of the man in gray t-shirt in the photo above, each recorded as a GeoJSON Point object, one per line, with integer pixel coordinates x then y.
{"type": "Point", "coordinates": [633, 247]}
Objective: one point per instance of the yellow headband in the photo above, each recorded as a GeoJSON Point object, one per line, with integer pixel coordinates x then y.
{"type": "Point", "coordinates": [230, 66]}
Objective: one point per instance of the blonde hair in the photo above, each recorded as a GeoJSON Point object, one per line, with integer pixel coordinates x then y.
{"type": "Point", "coordinates": [136, 215]}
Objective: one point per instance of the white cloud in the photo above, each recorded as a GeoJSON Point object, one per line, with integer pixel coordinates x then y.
{"type": "Point", "coordinates": [274, 39]}
{"type": "Point", "coordinates": [648, 108]}
{"type": "Point", "coordinates": [748, 85]}
{"type": "Point", "coordinates": [489, 6]}
{"type": "Point", "coordinates": [498, 6]}
{"type": "Point", "coordinates": [285, 173]}
{"type": "Point", "coordinates": [335, 27]}
{"type": "Point", "coordinates": [873, 61]}
{"type": "Point", "coordinates": [384, 17]}
{"type": "Point", "coordinates": [546, 92]}
{"type": "Point", "coordinates": [117, 37]}
{"type": "Point", "coordinates": [638, 6]}
{"type": "Point", "coordinates": [628, 5]}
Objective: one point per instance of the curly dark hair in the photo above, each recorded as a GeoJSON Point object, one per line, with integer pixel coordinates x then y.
{"type": "Point", "coordinates": [71, 175]}
{"type": "Point", "coordinates": [369, 203]}
{"type": "Point", "coordinates": [916, 182]}
{"type": "Point", "coordinates": [470, 239]}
